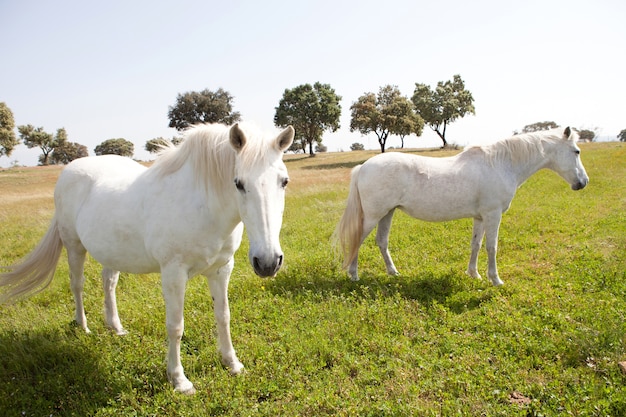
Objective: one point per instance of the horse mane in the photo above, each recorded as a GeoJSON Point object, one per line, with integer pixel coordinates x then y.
{"type": "Point", "coordinates": [520, 148]}
{"type": "Point", "coordinates": [207, 148]}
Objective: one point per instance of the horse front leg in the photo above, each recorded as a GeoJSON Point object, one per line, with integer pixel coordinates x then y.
{"type": "Point", "coordinates": [218, 284]}
{"type": "Point", "coordinates": [173, 281]}
{"type": "Point", "coordinates": [112, 318]}
{"type": "Point", "coordinates": [477, 239]}
{"type": "Point", "coordinates": [382, 240]}
{"type": "Point", "coordinates": [492, 224]}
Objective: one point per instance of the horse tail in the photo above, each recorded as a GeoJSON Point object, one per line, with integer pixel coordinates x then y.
{"type": "Point", "coordinates": [350, 228]}
{"type": "Point", "coordinates": [36, 271]}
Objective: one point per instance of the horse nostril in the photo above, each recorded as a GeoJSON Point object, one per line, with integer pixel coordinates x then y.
{"type": "Point", "coordinates": [280, 261]}
{"type": "Point", "coordinates": [255, 264]}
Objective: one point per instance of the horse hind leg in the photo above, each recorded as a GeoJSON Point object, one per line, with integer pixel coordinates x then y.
{"type": "Point", "coordinates": [368, 225]}
{"type": "Point", "coordinates": [76, 254]}
{"type": "Point", "coordinates": [382, 240]}
{"type": "Point", "coordinates": [109, 283]}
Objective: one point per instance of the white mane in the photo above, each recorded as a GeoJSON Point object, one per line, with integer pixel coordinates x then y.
{"type": "Point", "coordinates": [520, 148]}
{"type": "Point", "coordinates": [213, 160]}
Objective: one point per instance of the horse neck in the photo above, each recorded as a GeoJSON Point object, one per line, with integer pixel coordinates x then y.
{"type": "Point", "coordinates": [522, 167]}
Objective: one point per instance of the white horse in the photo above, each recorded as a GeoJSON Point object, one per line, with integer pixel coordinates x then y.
{"type": "Point", "coordinates": [480, 183]}
{"type": "Point", "coordinates": [181, 217]}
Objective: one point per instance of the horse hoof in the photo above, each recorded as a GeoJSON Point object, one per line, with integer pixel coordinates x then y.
{"type": "Point", "coordinates": [186, 391]}
{"type": "Point", "coordinates": [234, 366]}
{"type": "Point", "coordinates": [473, 274]}
{"type": "Point", "coordinates": [236, 369]}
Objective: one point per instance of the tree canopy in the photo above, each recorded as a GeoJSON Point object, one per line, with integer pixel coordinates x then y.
{"type": "Point", "coordinates": [8, 139]}
{"type": "Point", "coordinates": [56, 149]}
{"type": "Point", "coordinates": [587, 135]}
{"type": "Point", "coordinates": [385, 113]}
{"type": "Point", "coordinates": [445, 104]}
{"type": "Point", "coordinates": [37, 137]}
{"type": "Point", "coordinates": [622, 135]}
{"type": "Point", "coordinates": [156, 144]}
{"type": "Point", "coordinates": [65, 152]}
{"type": "Point", "coordinates": [118, 146]}
{"type": "Point", "coordinates": [539, 126]}
{"type": "Point", "coordinates": [205, 106]}
{"type": "Point", "coordinates": [311, 110]}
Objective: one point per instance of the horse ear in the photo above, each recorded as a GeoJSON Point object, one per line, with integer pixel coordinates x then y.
{"type": "Point", "coordinates": [237, 138]}
{"type": "Point", "coordinates": [567, 133]}
{"type": "Point", "coordinates": [285, 138]}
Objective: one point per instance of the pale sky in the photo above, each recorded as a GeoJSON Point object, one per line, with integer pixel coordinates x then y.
{"type": "Point", "coordinates": [111, 69]}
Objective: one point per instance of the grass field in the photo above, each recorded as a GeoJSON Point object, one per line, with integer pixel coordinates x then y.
{"type": "Point", "coordinates": [431, 342]}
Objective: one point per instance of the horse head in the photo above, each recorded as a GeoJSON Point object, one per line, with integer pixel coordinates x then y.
{"type": "Point", "coordinates": [260, 180]}
{"type": "Point", "coordinates": [566, 160]}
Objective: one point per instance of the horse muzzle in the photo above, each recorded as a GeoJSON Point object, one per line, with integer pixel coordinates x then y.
{"type": "Point", "coordinates": [267, 267]}
{"type": "Point", "coordinates": [579, 185]}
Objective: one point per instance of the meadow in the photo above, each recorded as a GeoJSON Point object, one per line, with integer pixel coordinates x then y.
{"type": "Point", "coordinates": [430, 342]}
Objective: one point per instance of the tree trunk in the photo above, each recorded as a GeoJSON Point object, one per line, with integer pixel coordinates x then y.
{"type": "Point", "coordinates": [382, 140]}
{"type": "Point", "coordinates": [443, 139]}
{"type": "Point", "coordinates": [441, 135]}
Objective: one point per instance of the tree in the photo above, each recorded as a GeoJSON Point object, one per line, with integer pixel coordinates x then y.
{"type": "Point", "coordinates": [119, 146]}
{"type": "Point", "coordinates": [386, 113]}
{"type": "Point", "coordinates": [356, 146]}
{"type": "Point", "coordinates": [311, 110]}
{"type": "Point", "coordinates": [586, 135]}
{"type": "Point", "coordinates": [37, 137]}
{"type": "Point", "coordinates": [538, 127]}
{"type": "Point", "coordinates": [407, 122]}
{"type": "Point", "coordinates": [205, 106]}
{"type": "Point", "coordinates": [443, 105]}
{"type": "Point", "coordinates": [8, 140]}
{"type": "Point", "coordinates": [66, 152]}
{"type": "Point", "coordinates": [156, 144]}
{"type": "Point", "coordinates": [622, 135]}
{"type": "Point", "coordinates": [296, 146]}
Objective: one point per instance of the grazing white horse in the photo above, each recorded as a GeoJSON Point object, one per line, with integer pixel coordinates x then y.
{"type": "Point", "coordinates": [480, 183]}
{"type": "Point", "coordinates": [181, 217]}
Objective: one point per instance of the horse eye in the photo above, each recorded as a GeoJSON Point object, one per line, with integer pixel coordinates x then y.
{"type": "Point", "coordinates": [285, 182]}
{"type": "Point", "coordinates": [239, 185]}
{"type": "Point", "coordinates": [577, 151]}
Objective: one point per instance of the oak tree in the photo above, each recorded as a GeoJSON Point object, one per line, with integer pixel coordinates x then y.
{"type": "Point", "coordinates": [8, 139]}
{"type": "Point", "coordinates": [311, 110]}
{"type": "Point", "coordinates": [205, 106]}
{"type": "Point", "coordinates": [37, 137]}
{"type": "Point", "coordinates": [118, 146]}
{"type": "Point", "coordinates": [445, 104]}
{"type": "Point", "coordinates": [385, 113]}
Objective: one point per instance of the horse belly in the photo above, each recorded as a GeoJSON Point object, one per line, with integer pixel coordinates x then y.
{"type": "Point", "coordinates": [120, 250]}
{"type": "Point", "coordinates": [439, 211]}
{"type": "Point", "coordinates": [439, 200]}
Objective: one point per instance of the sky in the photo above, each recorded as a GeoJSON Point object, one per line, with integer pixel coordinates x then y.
{"type": "Point", "coordinates": [112, 69]}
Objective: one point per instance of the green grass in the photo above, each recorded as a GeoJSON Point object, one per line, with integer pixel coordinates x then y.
{"type": "Point", "coordinates": [430, 342]}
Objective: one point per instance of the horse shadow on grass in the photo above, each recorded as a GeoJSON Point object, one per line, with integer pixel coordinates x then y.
{"type": "Point", "coordinates": [50, 373]}
{"type": "Point", "coordinates": [455, 291]}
